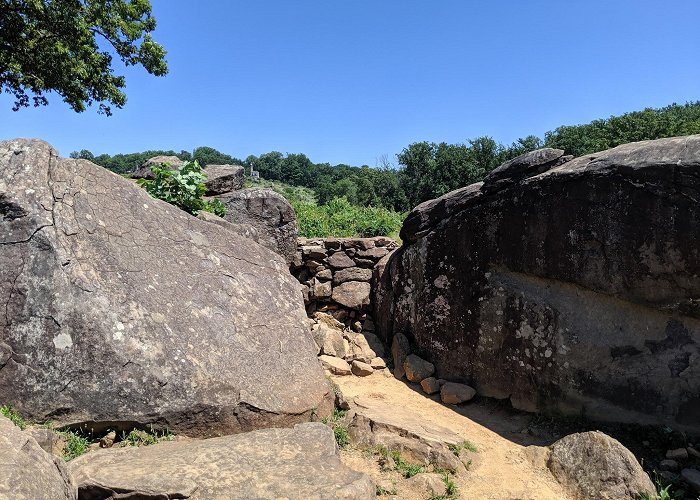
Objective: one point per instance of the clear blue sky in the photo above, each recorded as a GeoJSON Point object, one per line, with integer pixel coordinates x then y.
{"type": "Point", "coordinates": [349, 81]}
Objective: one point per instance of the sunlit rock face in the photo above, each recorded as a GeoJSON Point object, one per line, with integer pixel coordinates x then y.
{"type": "Point", "coordinates": [120, 310]}
{"type": "Point", "coordinates": [569, 285]}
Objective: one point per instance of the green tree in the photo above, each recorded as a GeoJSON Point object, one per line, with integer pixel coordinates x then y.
{"type": "Point", "coordinates": [205, 155]}
{"type": "Point", "coordinates": [57, 46]}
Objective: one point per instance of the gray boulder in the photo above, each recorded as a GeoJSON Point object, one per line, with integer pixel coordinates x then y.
{"type": "Point", "coordinates": [296, 463]}
{"type": "Point", "coordinates": [120, 309]}
{"type": "Point", "coordinates": [223, 178]}
{"type": "Point", "coordinates": [269, 213]}
{"type": "Point", "coordinates": [29, 473]}
{"type": "Point", "coordinates": [144, 171]}
{"type": "Point", "coordinates": [573, 290]}
{"type": "Point", "coordinates": [592, 465]}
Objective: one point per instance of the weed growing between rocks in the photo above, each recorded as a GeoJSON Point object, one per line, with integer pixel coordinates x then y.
{"type": "Point", "coordinates": [75, 446]}
{"type": "Point", "coordinates": [407, 469]}
{"type": "Point", "coordinates": [15, 418]}
{"type": "Point", "coordinates": [340, 431]}
{"type": "Point", "coordinates": [142, 438]}
{"type": "Point", "coordinates": [464, 445]}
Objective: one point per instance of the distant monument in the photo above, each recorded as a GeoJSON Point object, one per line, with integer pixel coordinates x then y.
{"type": "Point", "coordinates": [254, 174]}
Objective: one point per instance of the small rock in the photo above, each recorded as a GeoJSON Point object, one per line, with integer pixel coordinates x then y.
{"type": "Point", "coordinates": [677, 454]}
{"type": "Point", "coordinates": [352, 294]}
{"type": "Point", "coordinates": [430, 385]}
{"type": "Point", "coordinates": [335, 365]}
{"type": "Point", "coordinates": [374, 343]}
{"type": "Point", "coordinates": [430, 483]}
{"type": "Point", "coordinates": [377, 363]}
{"type": "Point", "coordinates": [368, 326]}
{"type": "Point", "coordinates": [669, 465]}
{"type": "Point", "coordinates": [667, 476]}
{"type": "Point", "coordinates": [362, 369]}
{"type": "Point", "coordinates": [340, 260]}
{"type": "Point", "coordinates": [454, 394]}
{"type": "Point", "coordinates": [692, 477]}
{"type": "Point", "coordinates": [314, 252]}
{"type": "Point", "coordinates": [693, 452]}
{"type": "Point", "coordinates": [372, 253]}
{"type": "Point", "coordinates": [417, 368]}
{"type": "Point", "coordinates": [352, 274]}
{"type": "Point", "coordinates": [329, 340]}
{"type": "Point", "coordinates": [360, 349]}
{"type": "Point", "coordinates": [324, 275]}
{"type": "Point", "coordinates": [357, 326]}
{"type": "Point", "coordinates": [108, 440]}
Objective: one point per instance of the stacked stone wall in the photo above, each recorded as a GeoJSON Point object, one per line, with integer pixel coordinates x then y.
{"type": "Point", "coordinates": [336, 277]}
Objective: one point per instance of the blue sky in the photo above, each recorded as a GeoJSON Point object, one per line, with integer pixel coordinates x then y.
{"type": "Point", "coordinates": [350, 81]}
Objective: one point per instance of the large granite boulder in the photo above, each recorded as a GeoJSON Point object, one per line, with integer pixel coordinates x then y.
{"type": "Point", "coordinates": [299, 463]}
{"type": "Point", "coordinates": [268, 212]}
{"type": "Point", "coordinates": [574, 290]}
{"type": "Point", "coordinates": [29, 473]}
{"type": "Point", "coordinates": [223, 178]}
{"type": "Point", "coordinates": [144, 171]}
{"type": "Point", "coordinates": [121, 310]}
{"type": "Point", "coordinates": [594, 466]}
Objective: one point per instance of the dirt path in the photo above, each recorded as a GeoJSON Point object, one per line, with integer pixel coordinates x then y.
{"type": "Point", "coordinates": [502, 470]}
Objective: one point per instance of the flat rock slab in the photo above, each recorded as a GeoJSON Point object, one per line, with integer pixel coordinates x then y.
{"type": "Point", "coordinates": [400, 429]}
{"type": "Point", "coordinates": [298, 463]}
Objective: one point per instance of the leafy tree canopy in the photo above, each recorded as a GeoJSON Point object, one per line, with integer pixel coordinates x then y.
{"type": "Point", "coordinates": [67, 47]}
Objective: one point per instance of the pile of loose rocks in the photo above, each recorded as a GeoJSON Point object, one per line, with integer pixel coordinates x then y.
{"type": "Point", "coordinates": [343, 351]}
{"type": "Point", "coordinates": [336, 275]}
{"type": "Point", "coordinates": [422, 372]}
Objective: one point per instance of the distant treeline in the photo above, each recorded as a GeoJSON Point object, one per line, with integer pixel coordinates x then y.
{"type": "Point", "coordinates": [427, 169]}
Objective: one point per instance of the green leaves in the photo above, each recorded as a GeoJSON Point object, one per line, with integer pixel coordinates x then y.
{"type": "Point", "coordinates": [183, 188]}
{"type": "Point", "coordinates": [54, 46]}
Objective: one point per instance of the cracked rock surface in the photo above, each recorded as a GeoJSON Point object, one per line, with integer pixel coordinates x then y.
{"type": "Point", "coordinates": [571, 287]}
{"type": "Point", "coordinates": [117, 309]}
{"type": "Point", "coordinates": [302, 462]}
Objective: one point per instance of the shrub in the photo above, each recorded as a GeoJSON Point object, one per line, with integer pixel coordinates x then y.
{"type": "Point", "coordinates": [183, 188]}
{"type": "Point", "coordinates": [14, 417]}
{"type": "Point", "coordinates": [341, 219]}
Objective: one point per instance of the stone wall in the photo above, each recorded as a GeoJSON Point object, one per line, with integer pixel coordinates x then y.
{"type": "Point", "coordinates": [336, 276]}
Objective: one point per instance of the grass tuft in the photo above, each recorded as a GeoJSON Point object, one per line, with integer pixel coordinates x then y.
{"type": "Point", "coordinates": [15, 418]}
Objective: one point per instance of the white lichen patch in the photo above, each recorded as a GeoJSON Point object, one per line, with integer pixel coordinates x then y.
{"type": "Point", "coordinates": [62, 341]}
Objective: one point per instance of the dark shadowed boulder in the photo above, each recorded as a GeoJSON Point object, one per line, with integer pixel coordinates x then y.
{"type": "Point", "coordinates": [594, 466]}
{"type": "Point", "coordinates": [574, 290]}
{"type": "Point", "coordinates": [298, 463]}
{"type": "Point", "coordinates": [144, 171]}
{"type": "Point", "coordinates": [29, 473]}
{"type": "Point", "coordinates": [223, 178]}
{"type": "Point", "coordinates": [123, 310]}
{"type": "Point", "coordinates": [270, 213]}
{"type": "Point", "coordinates": [531, 163]}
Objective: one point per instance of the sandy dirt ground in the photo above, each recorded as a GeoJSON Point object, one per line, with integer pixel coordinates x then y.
{"type": "Point", "coordinates": [504, 468]}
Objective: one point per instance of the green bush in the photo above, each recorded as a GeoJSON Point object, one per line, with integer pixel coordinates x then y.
{"type": "Point", "coordinates": [341, 219]}
{"type": "Point", "coordinates": [183, 188]}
